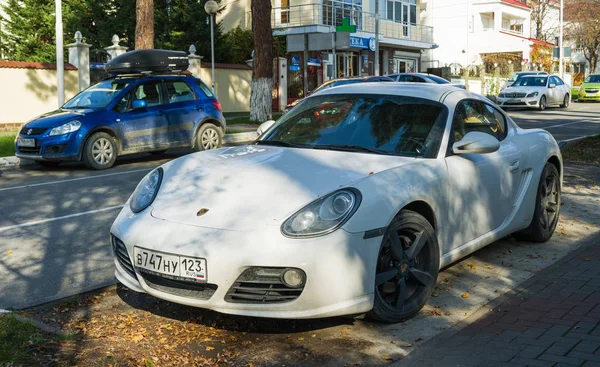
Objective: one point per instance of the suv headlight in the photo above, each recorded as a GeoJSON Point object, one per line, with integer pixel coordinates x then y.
{"type": "Point", "coordinates": [323, 215]}
{"type": "Point", "coordinates": [534, 94]}
{"type": "Point", "coordinates": [146, 191]}
{"type": "Point", "coordinates": [69, 127]}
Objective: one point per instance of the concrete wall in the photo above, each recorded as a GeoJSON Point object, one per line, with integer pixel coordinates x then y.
{"type": "Point", "coordinates": [232, 85]}
{"type": "Point", "coordinates": [27, 93]}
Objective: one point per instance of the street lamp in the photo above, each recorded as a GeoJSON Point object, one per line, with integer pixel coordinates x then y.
{"type": "Point", "coordinates": [211, 7]}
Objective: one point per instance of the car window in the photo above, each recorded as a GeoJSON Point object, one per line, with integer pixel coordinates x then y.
{"type": "Point", "coordinates": [124, 103]}
{"type": "Point", "coordinates": [179, 91]}
{"type": "Point", "coordinates": [437, 79]}
{"type": "Point", "coordinates": [206, 90]}
{"type": "Point", "coordinates": [592, 79]}
{"type": "Point", "coordinates": [97, 96]}
{"type": "Point", "coordinates": [416, 79]}
{"type": "Point", "coordinates": [471, 115]}
{"type": "Point", "coordinates": [531, 81]}
{"type": "Point", "coordinates": [150, 92]}
{"type": "Point", "coordinates": [558, 81]}
{"type": "Point", "coordinates": [397, 125]}
{"type": "Point", "coordinates": [393, 76]}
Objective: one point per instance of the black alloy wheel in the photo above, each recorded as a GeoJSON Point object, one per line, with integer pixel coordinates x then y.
{"type": "Point", "coordinates": [407, 268]}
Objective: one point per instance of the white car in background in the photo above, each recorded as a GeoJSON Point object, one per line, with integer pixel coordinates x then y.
{"type": "Point", "coordinates": [538, 92]}
{"type": "Point", "coordinates": [351, 203]}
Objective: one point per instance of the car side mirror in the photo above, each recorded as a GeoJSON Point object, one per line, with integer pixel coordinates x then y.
{"type": "Point", "coordinates": [265, 126]}
{"type": "Point", "coordinates": [476, 142]}
{"type": "Point", "coordinates": [138, 104]}
{"type": "Point", "coordinates": [552, 86]}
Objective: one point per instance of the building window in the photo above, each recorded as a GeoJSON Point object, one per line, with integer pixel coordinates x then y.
{"type": "Point", "coordinates": [285, 11]}
{"type": "Point", "coordinates": [336, 10]}
{"type": "Point", "coordinates": [404, 11]}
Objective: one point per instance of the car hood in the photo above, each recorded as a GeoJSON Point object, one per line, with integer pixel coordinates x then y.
{"type": "Point", "coordinates": [526, 89]}
{"type": "Point", "coordinates": [247, 187]}
{"type": "Point", "coordinates": [57, 118]}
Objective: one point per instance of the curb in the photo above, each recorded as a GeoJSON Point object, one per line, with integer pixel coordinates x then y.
{"type": "Point", "coordinates": [247, 137]}
{"type": "Point", "coordinates": [440, 339]}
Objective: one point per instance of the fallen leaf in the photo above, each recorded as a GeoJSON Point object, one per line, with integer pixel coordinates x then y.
{"type": "Point", "coordinates": [434, 294]}
{"type": "Point", "coordinates": [465, 295]}
{"type": "Point", "coordinates": [300, 338]}
{"type": "Point", "coordinates": [472, 266]}
{"type": "Point", "coordinates": [208, 349]}
{"type": "Point", "coordinates": [386, 358]}
{"type": "Point", "coordinates": [9, 252]}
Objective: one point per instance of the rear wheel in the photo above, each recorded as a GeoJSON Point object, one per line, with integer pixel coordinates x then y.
{"type": "Point", "coordinates": [100, 151]}
{"type": "Point", "coordinates": [547, 207]}
{"type": "Point", "coordinates": [566, 101]}
{"type": "Point", "coordinates": [209, 137]}
{"type": "Point", "coordinates": [542, 103]}
{"type": "Point", "coordinates": [407, 268]}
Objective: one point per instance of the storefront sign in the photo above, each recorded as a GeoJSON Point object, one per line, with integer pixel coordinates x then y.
{"type": "Point", "coordinates": [295, 60]}
{"type": "Point", "coordinates": [313, 62]}
{"type": "Point", "coordinates": [372, 43]}
{"type": "Point", "coordinates": [294, 67]}
{"type": "Point", "coordinates": [364, 43]}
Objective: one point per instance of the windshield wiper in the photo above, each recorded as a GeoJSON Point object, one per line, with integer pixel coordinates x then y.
{"type": "Point", "coordinates": [352, 148]}
{"type": "Point", "coordinates": [279, 143]}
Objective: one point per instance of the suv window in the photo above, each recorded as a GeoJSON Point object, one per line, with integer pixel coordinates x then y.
{"type": "Point", "coordinates": [179, 91]}
{"type": "Point", "coordinates": [204, 89]}
{"type": "Point", "coordinates": [150, 92]}
{"type": "Point", "coordinates": [471, 115]}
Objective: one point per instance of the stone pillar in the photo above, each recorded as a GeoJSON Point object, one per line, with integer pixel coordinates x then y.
{"type": "Point", "coordinates": [115, 50]}
{"type": "Point", "coordinates": [195, 62]}
{"type": "Point", "coordinates": [79, 56]}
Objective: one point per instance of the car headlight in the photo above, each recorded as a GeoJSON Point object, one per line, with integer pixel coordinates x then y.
{"type": "Point", "coordinates": [581, 87]}
{"type": "Point", "coordinates": [146, 191]}
{"type": "Point", "coordinates": [501, 95]}
{"type": "Point", "coordinates": [69, 127]}
{"type": "Point", "coordinates": [534, 94]}
{"type": "Point", "coordinates": [323, 215]}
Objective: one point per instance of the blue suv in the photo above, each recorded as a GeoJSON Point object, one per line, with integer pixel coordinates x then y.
{"type": "Point", "coordinates": [125, 115]}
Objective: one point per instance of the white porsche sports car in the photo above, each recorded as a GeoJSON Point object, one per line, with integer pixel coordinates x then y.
{"type": "Point", "coordinates": [349, 204]}
{"type": "Point", "coordinates": [539, 91]}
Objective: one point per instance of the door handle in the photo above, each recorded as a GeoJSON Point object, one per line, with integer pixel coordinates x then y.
{"type": "Point", "coordinates": [514, 166]}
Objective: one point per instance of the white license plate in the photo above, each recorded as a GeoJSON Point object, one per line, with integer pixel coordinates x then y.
{"type": "Point", "coordinates": [177, 266]}
{"type": "Point", "coordinates": [26, 142]}
{"type": "Point", "coordinates": [591, 95]}
{"type": "Point", "coordinates": [514, 100]}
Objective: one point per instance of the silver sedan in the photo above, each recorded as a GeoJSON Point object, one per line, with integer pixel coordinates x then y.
{"type": "Point", "coordinates": [536, 92]}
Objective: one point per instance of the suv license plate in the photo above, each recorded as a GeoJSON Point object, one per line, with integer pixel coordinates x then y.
{"type": "Point", "coordinates": [26, 142]}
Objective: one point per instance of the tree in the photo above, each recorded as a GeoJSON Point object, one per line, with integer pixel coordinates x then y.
{"type": "Point", "coordinates": [144, 24]}
{"type": "Point", "coordinates": [29, 31]}
{"type": "Point", "coordinates": [240, 44]}
{"type": "Point", "coordinates": [543, 22]}
{"type": "Point", "coordinates": [262, 82]}
{"type": "Point", "coordinates": [583, 17]}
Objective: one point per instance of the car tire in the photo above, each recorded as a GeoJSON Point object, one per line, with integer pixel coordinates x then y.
{"type": "Point", "coordinates": [158, 152]}
{"type": "Point", "coordinates": [48, 164]}
{"type": "Point", "coordinates": [547, 201]}
{"type": "Point", "coordinates": [100, 151]}
{"type": "Point", "coordinates": [566, 101]}
{"type": "Point", "coordinates": [542, 103]}
{"type": "Point", "coordinates": [407, 268]}
{"type": "Point", "coordinates": [209, 137]}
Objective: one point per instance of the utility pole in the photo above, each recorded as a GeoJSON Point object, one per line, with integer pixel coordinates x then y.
{"type": "Point", "coordinates": [60, 57]}
{"type": "Point", "coordinates": [561, 68]}
{"type": "Point", "coordinates": [376, 66]}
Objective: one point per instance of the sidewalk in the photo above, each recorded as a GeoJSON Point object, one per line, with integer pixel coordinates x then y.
{"type": "Point", "coordinates": [553, 319]}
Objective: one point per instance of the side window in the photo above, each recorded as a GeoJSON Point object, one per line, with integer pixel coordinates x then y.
{"type": "Point", "coordinates": [559, 81]}
{"type": "Point", "coordinates": [477, 116]}
{"type": "Point", "coordinates": [416, 79]}
{"type": "Point", "coordinates": [123, 105]}
{"type": "Point", "coordinates": [150, 92]}
{"type": "Point", "coordinates": [179, 91]}
{"type": "Point", "coordinates": [204, 89]}
{"type": "Point", "coordinates": [403, 78]}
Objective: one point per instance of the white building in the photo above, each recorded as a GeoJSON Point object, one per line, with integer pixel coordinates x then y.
{"type": "Point", "coordinates": [467, 29]}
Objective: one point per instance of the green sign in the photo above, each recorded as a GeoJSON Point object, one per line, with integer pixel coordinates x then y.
{"type": "Point", "coordinates": [346, 26]}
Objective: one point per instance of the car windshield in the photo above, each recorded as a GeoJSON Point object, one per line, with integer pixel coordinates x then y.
{"type": "Point", "coordinates": [531, 81]}
{"type": "Point", "coordinates": [592, 79]}
{"type": "Point", "coordinates": [381, 124]}
{"type": "Point", "coordinates": [437, 79]}
{"type": "Point", "coordinates": [97, 96]}
{"type": "Point", "coordinates": [336, 83]}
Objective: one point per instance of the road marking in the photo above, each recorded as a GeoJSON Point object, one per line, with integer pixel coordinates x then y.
{"type": "Point", "coordinates": [73, 179]}
{"type": "Point", "coordinates": [8, 228]}
{"type": "Point", "coordinates": [569, 123]}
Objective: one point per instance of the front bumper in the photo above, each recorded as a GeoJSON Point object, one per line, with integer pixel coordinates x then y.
{"type": "Point", "coordinates": [583, 96]}
{"type": "Point", "coordinates": [339, 267]}
{"type": "Point", "coordinates": [58, 148]}
{"type": "Point", "coordinates": [532, 102]}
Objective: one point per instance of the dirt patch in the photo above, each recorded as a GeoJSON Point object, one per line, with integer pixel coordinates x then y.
{"type": "Point", "coordinates": [586, 150]}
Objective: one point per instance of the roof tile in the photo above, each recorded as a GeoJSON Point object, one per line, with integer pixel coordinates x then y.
{"type": "Point", "coordinates": [6, 64]}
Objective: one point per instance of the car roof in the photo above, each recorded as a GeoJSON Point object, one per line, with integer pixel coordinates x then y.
{"type": "Point", "coordinates": [429, 91]}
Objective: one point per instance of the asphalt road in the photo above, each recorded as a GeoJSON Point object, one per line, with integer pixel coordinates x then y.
{"type": "Point", "coordinates": [54, 223]}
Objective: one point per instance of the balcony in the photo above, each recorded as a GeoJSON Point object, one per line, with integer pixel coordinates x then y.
{"type": "Point", "coordinates": [324, 18]}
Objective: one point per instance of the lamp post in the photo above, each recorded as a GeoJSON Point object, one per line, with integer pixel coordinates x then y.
{"type": "Point", "coordinates": [561, 70]}
{"type": "Point", "coordinates": [60, 57]}
{"type": "Point", "coordinates": [211, 7]}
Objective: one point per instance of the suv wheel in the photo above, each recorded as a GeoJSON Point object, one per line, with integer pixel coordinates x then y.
{"type": "Point", "coordinates": [209, 137]}
{"type": "Point", "coordinates": [100, 151]}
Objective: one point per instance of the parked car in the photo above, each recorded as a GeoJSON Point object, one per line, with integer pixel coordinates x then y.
{"type": "Point", "coordinates": [422, 78]}
{"type": "Point", "coordinates": [348, 204]}
{"type": "Point", "coordinates": [536, 92]}
{"type": "Point", "coordinates": [590, 89]}
{"type": "Point", "coordinates": [124, 115]}
{"type": "Point", "coordinates": [518, 75]}
{"type": "Point", "coordinates": [340, 81]}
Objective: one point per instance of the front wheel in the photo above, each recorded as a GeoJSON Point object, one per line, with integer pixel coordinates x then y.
{"type": "Point", "coordinates": [209, 137]}
{"type": "Point", "coordinates": [547, 207]}
{"type": "Point", "coordinates": [542, 103]}
{"type": "Point", "coordinates": [100, 151]}
{"type": "Point", "coordinates": [566, 101]}
{"type": "Point", "coordinates": [407, 268]}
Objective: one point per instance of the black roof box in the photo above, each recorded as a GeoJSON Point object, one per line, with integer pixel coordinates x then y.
{"type": "Point", "coordinates": [148, 61]}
